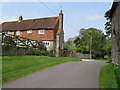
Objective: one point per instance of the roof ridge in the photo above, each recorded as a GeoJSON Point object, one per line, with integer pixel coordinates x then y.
{"type": "Point", "coordinates": [30, 19]}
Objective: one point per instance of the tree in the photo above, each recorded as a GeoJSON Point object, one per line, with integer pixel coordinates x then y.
{"type": "Point", "coordinates": [8, 41]}
{"type": "Point", "coordinates": [108, 26]}
{"type": "Point", "coordinates": [98, 42]}
{"type": "Point", "coordinates": [69, 46]}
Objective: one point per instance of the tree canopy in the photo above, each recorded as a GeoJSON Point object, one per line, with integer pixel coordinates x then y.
{"type": "Point", "coordinates": [96, 38]}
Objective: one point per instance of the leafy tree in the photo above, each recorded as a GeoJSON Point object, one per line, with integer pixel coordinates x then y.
{"type": "Point", "coordinates": [81, 49]}
{"type": "Point", "coordinates": [92, 36]}
{"type": "Point", "coordinates": [69, 46]}
{"type": "Point", "coordinates": [108, 26]}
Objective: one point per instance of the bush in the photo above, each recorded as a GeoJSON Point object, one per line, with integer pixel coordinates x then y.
{"type": "Point", "coordinates": [40, 52]}
{"type": "Point", "coordinates": [81, 49]}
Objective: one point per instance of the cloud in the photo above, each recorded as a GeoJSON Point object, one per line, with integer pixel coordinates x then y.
{"type": "Point", "coordinates": [7, 18]}
{"type": "Point", "coordinates": [94, 17]}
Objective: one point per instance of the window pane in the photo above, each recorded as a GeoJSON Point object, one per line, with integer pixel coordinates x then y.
{"type": "Point", "coordinates": [41, 32]}
{"type": "Point", "coordinates": [29, 31]}
{"type": "Point", "coordinates": [17, 32]}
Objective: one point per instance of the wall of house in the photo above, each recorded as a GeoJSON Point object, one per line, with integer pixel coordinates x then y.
{"type": "Point", "coordinates": [48, 35]}
{"type": "Point", "coordinates": [61, 42]}
{"type": "Point", "coordinates": [116, 36]}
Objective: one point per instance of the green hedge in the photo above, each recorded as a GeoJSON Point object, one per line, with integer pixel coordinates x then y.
{"type": "Point", "coordinates": [40, 52]}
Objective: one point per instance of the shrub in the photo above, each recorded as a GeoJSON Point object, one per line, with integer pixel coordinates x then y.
{"type": "Point", "coordinates": [40, 52]}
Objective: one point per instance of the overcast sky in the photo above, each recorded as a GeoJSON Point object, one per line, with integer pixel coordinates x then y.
{"type": "Point", "coordinates": [76, 14]}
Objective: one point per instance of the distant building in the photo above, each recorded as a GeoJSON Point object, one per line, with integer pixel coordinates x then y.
{"type": "Point", "coordinates": [115, 16]}
{"type": "Point", "coordinates": [72, 39]}
{"type": "Point", "coordinates": [49, 30]}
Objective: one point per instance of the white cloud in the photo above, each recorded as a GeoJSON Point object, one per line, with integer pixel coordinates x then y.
{"type": "Point", "coordinates": [94, 17]}
{"type": "Point", "coordinates": [7, 18]}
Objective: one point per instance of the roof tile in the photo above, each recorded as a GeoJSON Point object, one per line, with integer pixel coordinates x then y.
{"type": "Point", "coordinates": [40, 23]}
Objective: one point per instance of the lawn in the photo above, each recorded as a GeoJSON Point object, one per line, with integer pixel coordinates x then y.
{"type": "Point", "coordinates": [14, 67]}
{"type": "Point", "coordinates": [109, 76]}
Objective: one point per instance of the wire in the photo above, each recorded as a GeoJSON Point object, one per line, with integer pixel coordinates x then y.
{"type": "Point", "coordinates": [47, 7]}
{"type": "Point", "coordinates": [56, 14]}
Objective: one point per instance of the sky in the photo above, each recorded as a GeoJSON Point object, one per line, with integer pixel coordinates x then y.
{"type": "Point", "coordinates": [77, 15]}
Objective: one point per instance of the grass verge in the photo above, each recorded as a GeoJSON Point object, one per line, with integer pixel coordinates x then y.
{"type": "Point", "coordinates": [109, 76]}
{"type": "Point", "coordinates": [14, 67]}
{"type": "Point", "coordinates": [99, 59]}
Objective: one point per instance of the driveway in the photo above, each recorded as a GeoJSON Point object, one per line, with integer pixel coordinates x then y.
{"type": "Point", "coordinates": [81, 74]}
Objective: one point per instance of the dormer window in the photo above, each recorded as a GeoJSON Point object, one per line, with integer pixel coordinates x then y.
{"type": "Point", "coordinates": [29, 31]}
{"type": "Point", "coordinates": [17, 32]}
{"type": "Point", "coordinates": [41, 31]}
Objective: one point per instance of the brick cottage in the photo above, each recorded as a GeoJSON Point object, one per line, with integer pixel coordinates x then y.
{"type": "Point", "coordinates": [49, 30]}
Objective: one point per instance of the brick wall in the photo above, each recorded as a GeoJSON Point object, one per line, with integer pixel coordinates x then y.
{"type": "Point", "coordinates": [48, 35]}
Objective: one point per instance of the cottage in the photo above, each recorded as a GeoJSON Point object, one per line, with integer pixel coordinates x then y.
{"type": "Point", "coordinates": [49, 30]}
{"type": "Point", "coordinates": [115, 17]}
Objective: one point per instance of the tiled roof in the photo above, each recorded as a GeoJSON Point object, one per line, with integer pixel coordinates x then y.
{"type": "Point", "coordinates": [41, 23]}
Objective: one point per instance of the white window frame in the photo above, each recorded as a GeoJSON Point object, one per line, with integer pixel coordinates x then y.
{"type": "Point", "coordinates": [29, 31]}
{"type": "Point", "coordinates": [18, 32]}
{"type": "Point", "coordinates": [41, 31]}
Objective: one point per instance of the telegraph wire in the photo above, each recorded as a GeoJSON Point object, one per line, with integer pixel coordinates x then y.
{"type": "Point", "coordinates": [47, 7]}
{"type": "Point", "coordinates": [56, 14]}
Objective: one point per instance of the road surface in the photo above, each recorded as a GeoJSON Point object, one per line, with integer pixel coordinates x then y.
{"type": "Point", "coordinates": [81, 74]}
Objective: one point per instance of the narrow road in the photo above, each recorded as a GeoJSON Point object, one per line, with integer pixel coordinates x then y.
{"type": "Point", "coordinates": [81, 74]}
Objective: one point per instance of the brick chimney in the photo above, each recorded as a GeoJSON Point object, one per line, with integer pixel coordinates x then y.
{"type": "Point", "coordinates": [61, 20]}
{"type": "Point", "coordinates": [60, 35]}
{"type": "Point", "coordinates": [20, 18]}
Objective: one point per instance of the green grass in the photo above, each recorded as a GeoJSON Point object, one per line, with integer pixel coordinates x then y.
{"type": "Point", "coordinates": [107, 78]}
{"type": "Point", "coordinates": [0, 70]}
{"type": "Point", "coordinates": [15, 67]}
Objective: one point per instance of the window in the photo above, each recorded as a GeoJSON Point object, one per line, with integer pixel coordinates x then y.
{"type": "Point", "coordinates": [29, 31]}
{"type": "Point", "coordinates": [41, 31]}
{"type": "Point", "coordinates": [46, 43]}
{"type": "Point", "coordinates": [17, 32]}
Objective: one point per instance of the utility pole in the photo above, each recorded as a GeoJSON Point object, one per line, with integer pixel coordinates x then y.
{"type": "Point", "coordinates": [90, 47]}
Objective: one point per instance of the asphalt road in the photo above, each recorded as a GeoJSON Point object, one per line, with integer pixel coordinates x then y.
{"type": "Point", "coordinates": [82, 74]}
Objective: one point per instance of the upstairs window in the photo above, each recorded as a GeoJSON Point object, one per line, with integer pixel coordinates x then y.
{"type": "Point", "coordinates": [29, 31]}
{"type": "Point", "coordinates": [17, 32]}
{"type": "Point", "coordinates": [41, 31]}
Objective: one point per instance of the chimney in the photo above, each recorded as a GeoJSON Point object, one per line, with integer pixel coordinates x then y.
{"type": "Point", "coordinates": [61, 20]}
{"type": "Point", "coordinates": [20, 18]}
{"type": "Point", "coordinates": [60, 36]}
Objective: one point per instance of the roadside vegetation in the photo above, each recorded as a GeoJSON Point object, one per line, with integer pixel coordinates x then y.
{"type": "Point", "coordinates": [109, 76]}
{"type": "Point", "coordinates": [99, 59]}
{"type": "Point", "coordinates": [93, 40]}
{"type": "Point", "coordinates": [15, 67]}
{"type": "Point", "coordinates": [0, 70]}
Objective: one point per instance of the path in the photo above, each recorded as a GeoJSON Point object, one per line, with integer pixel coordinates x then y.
{"type": "Point", "coordinates": [81, 74]}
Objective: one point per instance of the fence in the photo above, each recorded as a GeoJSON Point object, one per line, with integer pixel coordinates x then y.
{"type": "Point", "coordinates": [77, 55]}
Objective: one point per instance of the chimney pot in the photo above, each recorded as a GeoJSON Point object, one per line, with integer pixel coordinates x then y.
{"type": "Point", "coordinates": [20, 18]}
